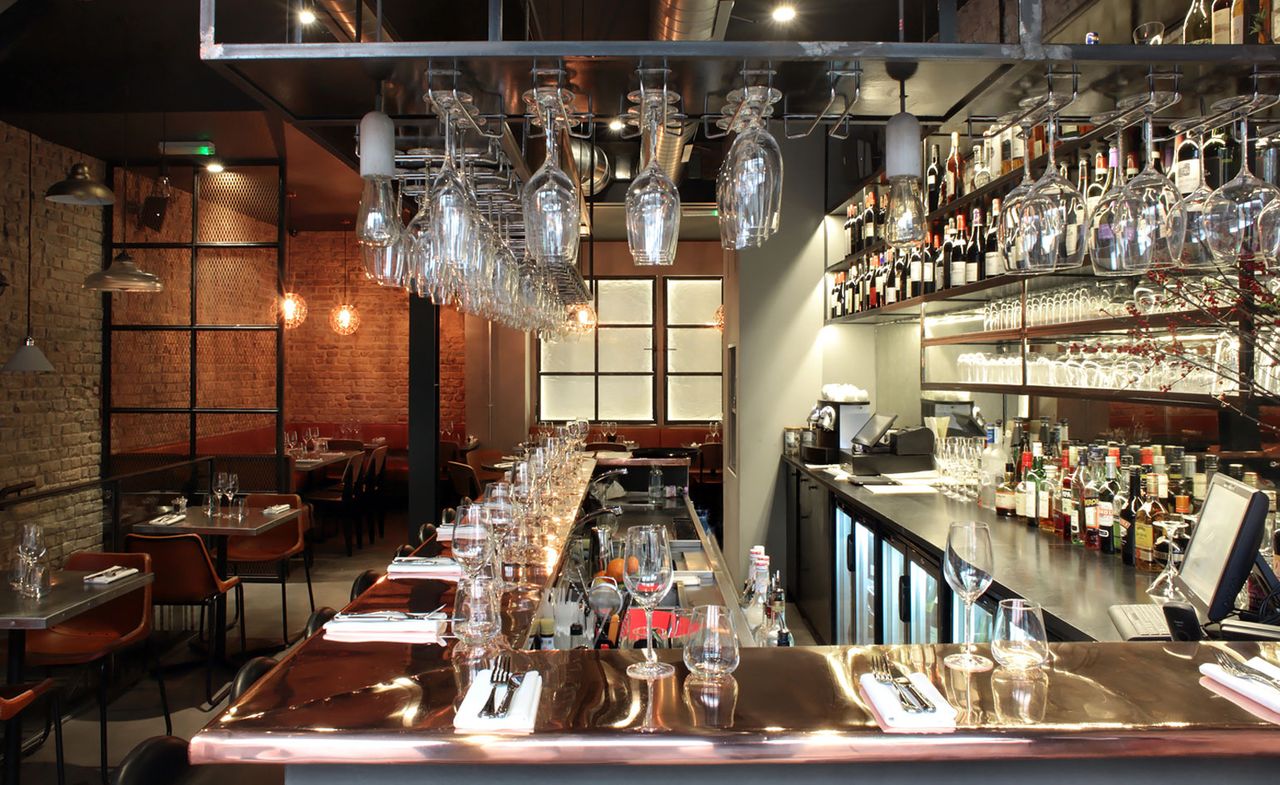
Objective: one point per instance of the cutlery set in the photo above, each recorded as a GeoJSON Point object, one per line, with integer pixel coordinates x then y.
{"type": "Point", "coordinates": [894, 675]}
{"type": "Point", "coordinates": [501, 675]}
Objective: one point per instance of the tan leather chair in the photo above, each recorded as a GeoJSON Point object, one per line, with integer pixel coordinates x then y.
{"type": "Point", "coordinates": [275, 548]}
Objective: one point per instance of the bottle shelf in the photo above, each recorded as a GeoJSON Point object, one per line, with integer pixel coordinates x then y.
{"type": "Point", "coordinates": [905, 307]}
{"type": "Point", "coordinates": [1085, 327]}
{"type": "Point", "coordinates": [1154, 397]}
{"type": "Point", "coordinates": [876, 248]}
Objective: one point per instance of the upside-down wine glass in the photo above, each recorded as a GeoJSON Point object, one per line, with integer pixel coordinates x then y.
{"type": "Point", "coordinates": [1053, 237]}
{"type": "Point", "coordinates": [1009, 232]}
{"type": "Point", "coordinates": [648, 576]}
{"type": "Point", "coordinates": [1162, 206]}
{"type": "Point", "coordinates": [1232, 215]}
{"type": "Point", "coordinates": [1119, 237]}
{"type": "Point", "coordinates": [550, 199]}
{"type": "Point", "coordinates": [653, 202]}
{"type": "Point", "coordinates": [1194, 252]}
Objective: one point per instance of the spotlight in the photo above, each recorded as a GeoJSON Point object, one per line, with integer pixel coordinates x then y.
{"type": "Point", "coordinates": [616, 125]}
{"type": "Point", "coordinates": [306, 16]}
{"type": "Point", "coordinates": [784, 13]}
{"type": "Point", "coordinates": [214, 167]}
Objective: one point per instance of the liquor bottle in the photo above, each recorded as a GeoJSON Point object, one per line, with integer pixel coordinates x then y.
{"type": "Point", "coordinates": [1023, 493]}
{"type": "Point", "coordinates": [992, 263]}
{"type": "Point", "coordinates": [1238, 25]}
{"type": "Point", "coordinates": [1108, 491]}
{"type": "Point", "coordinates": [749, 583]}
{"type": "Point", "coordinates": [974, 255]}
{"type": "Point", "coordinates": [1064, 510]}
{"type": "Point", "coordinates": [1186, 165]}
{"type": "Point", "coordinates": [1049, 498]}
{"type": "Point", "coordinates": [956, 260]}
{"type": "Point", "coordinates": [759, 600]}
{"type": "Point", "coordinates": [1007, 164]}
{"type": "Point", "coordinates": [1032, 485]}
{"type": "Point", "coordinates": [1144, 531]}
{"type": "Point", "coordinates": [954, 177]}
{"type": "Point", "coordinates": [981, 172]}
{"type": "Point", "coordinates": [882, 215]}
{"type": "Point", "coordinates": [1017, 149]}
{"type": "Point", "coordinates": [1197, 27]}
{"type": "Point", "coordinates": [1101, 180]}
{"type": "Point", "coordinates": [1216, 159]}
{"type": "Point", "coordinates": [775, 631]}
{"type": "Point", "coordinates": [1006, 494]}
{"type": "Point", "coordinates": [869, 220]}
{"type": "Point", "coordinates": [1085, 491]}
{"type": "Point", "coordinates": [933, 179]}
{"type": "Point", "coordinates": [1075, 530]}
{"type": "Point", "coordinates": [1221, 16]}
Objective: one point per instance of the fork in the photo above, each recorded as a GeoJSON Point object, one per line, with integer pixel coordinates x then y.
{"type": "Point", "coordinates": [880, 672]}
{"type": "Point", "coordinates": [1243, 670]}
{"type": "Point", "coordinates": [497, 677]}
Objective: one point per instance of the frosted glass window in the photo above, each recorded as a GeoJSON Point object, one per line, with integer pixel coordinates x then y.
{"type": "Point", "coordinates": [626, 349]}
{"type": "Point", "coordinates": [625, 301]}
{"type": "Point", "coordinates": [569, 354]}
{"type": "Point", "coordinates": [626, 398]}
{"type": "Point", "coordinates": [692, 301]}
{"type": "Point", "coordinates": [567, 397]}
{"type": "Point", "coordinates": [693, 398]}
{"type": "Point", "coordinates": [695, 349]}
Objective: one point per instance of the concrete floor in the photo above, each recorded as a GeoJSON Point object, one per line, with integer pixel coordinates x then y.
{"type": "Point", "coordinates": [135, 714]}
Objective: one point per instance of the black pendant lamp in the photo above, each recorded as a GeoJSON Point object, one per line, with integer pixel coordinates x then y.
{"type": "Point", "coordinates": [28, 357]}
{"type": "Point", "coordinates": [80, 188]}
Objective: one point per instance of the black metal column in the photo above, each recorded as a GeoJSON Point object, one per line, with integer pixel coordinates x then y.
{"type": "Point", "coordinates": [424, 412]}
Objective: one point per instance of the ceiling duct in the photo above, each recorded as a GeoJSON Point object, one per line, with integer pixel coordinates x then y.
{"type": "Point", "coordinates": [340, 17]}
{"type": "Point", "coordinates": [594, 172]}
{"type": "Point", "coordinates": [684, 20]}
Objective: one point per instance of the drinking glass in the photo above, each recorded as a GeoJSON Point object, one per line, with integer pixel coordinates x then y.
{"type": "Point", "coordinates": [472, 543]}
{"type": "Point", "coordinates": [968, 566]}
{"type": "Point", "coordinates": [1194, 252]}
{"type": "Point", "coordinates": [1119, 237]}
{"type": "Point", "coordinates": [477, 610]}
{"type": "Point", "coordinates": [1162, 207]}
{"type": "Point", "coordinates": [1149, 34]}
{"type": "Point", "coordinates": [550, 198]}
{"type": "Point", "coordinates": [219, 489]}
{"type": "Point", "coordinates": [1019, 641]}
{"type": "Point", "coordinates": [653, 202]}
{"type": "Point", "coordinates": [31, 551]}
{"type": "Point", "coordinates": [1052, 234]}
{"type": "Point", "coordinates": [749, 184]}
{"type": "Point", "coordinates": [1020, 697]}
{"type": "Point", "coordinates": [1164, 588]}
{"type": "Point", "coordinates": [1009, 232]}
{"type": "Point", "coordinates": [230, 488]}
{"type": "Point", "coordinates": [648, 576]}
{"type": "Point", "coordinates": [711, 648]}
{"type": "Point", "coordinates": [290, 441]}
{"type": "Point", "coordinates": [1232, 214]}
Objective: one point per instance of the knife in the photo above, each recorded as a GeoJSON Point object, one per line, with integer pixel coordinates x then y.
{"type": "Point", "coordinates": [925, 704]}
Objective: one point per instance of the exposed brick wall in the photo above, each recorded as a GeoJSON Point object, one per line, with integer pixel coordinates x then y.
{"type": "Point", "coordinates": [364, 376]}
{"type": "Point", "coordinates": [50, 425]}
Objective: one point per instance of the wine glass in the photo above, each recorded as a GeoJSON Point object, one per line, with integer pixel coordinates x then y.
{"type": "Point", "coordinates": [1119, 236]}
{"type": "Point", "coordinates": [31, 549]}
{"type": "Point", "coordinates": [1019, 641]}
{"type": "Point", "coordinates": [1052, 236]}
{"type": "Point", "coordinates": [550, 198]}
{"type": "Point", "coordinates": [653, 202]}
{"type": "Point", "coordinates": [648, 576]}
{"type": "Point", "coordinates": [1164, 588]}
{"type": "Point", "coordinates": [749, 184]}
{"type": "Point", "coordinates": [219, 488]}
{"type": "Point", "coordinates": [1232, 213]}
{"type": "Point", "coordinates": [477, 610]}
{"type": "Point", "coordinates": [1149, 34]}
{"type": "Point", "coordinates": [231, 487]}
{"type": "Point", "coordinates": [711, 649]}
{"type": "Point", "coordinates": [1009, 232]}
{"type": "Point", "coordinates": [1162, 206]}
{"type": "Point", "coordinates": [472, 544]}
{"type": "Point", "coordinates": [968, 567]}
{"type": "Point", "coordinates": [1194, 253]}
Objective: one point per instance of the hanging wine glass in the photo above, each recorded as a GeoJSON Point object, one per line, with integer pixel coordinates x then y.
{"type": "Point", "coordinates": [1117, 227]}
{"type": "Point", "coordinates": [1052, 234]}
{"type": "Point", "coordinates": [452, 224]}
{"type": "Point", "coordinates": [1009, 232]}
{"type": "Point", "coordinates": [1232, 214]}
{"type": "Point", "coordinates": [550, 200]}
{"type": "Point", "coordinates": [653, 202]}
{"type": "Point", "coordinates": [1162, 206]}
{"type": "Point", "coordinates": [749, 185]}
{"type": "Point", "coordinates": [1193, 252]}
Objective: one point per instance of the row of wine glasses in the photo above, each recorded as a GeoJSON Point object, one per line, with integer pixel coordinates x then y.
{"type": "Point", "coordinates": [749, 183]}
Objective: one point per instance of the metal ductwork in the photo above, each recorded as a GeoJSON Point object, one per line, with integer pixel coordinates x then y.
{"type": "Point", "coordinates": [594, 172]}
{"type": "Point", "coordinates": [339, 16]}
{"type": "Point", "coordinates": [685, 20]}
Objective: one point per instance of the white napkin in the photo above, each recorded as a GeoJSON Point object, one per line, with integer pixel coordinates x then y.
{"type": "Point", "coordinates": [429, 629]}
{"type": "Point", "coordinates": [110, 575]}
{"type": "Point", "coordinates": [520, 717]}
{"type": "Point", "coordinates": [688, 577]}
{"type": "Point", "coordinates": [166, 520]}
{"type": "Point", "coordinates": [1255, 691]}
{"type": "Point", "coordinates": [276, 509]}
{"type": "Point", "coordinates": [440, 568]}
{"type": "Point", "coordinates": [892, 716]}
{"type": "Point", "coordinates": [444, 534]}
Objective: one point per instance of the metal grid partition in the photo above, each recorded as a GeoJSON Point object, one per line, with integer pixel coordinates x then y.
{"type": "Point", "coordinates": [197, 369]}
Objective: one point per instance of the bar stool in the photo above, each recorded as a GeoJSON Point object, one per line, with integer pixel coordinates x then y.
{"type": "Point", "coordinates": [94, 637]}
{"type": "Point", "coordinates": [185, 576]}
{"type": "Point", "coordinates": [274, 548]}
{"type": "Point", "coordinates": [16, 698]}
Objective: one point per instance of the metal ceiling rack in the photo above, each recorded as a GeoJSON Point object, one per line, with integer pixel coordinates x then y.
{"type": "Point", "coordinates": [841, 121]}
{"type": "Point", "coordinates": [1038, 109]}
{"type": "Point", "coordinates": [1238, 107]}
{"type": "Point", "coordinates": [549, 92]}
{"type": "Point", "coordinates": [752, 99]}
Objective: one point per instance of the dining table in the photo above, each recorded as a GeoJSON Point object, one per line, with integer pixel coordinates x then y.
{"type": "Point", "coordinates": [67, 596]}
{"type": "Point", "coordinates": [305, 469]}
{"type": "Point", "coordinates": [217, 528]}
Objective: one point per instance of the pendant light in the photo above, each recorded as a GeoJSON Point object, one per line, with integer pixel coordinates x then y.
{"type": "Point", "coordinates": [378, 223]}
{"type": "Point", "coordinates": [28, 357]}
{"type": "Point", "coordinates": [122, 275]}
{"type": "Point", "coordinates": [906, 215]}
{"type": "Point", "coordinates": [80, 188]}
{"type": "Point", "coordinates": [293, 309]}
{"type": "Point", "coordinates": [344, 318]}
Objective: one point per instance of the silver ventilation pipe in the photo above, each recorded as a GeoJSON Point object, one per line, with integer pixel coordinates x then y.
{"type": "Point", "coordinates": [684, 20]}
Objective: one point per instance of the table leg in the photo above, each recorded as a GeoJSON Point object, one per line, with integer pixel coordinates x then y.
{"type": "Point", "coordinates": [13, 727]}
{"type": "Point", "coordinates": [220, 604]}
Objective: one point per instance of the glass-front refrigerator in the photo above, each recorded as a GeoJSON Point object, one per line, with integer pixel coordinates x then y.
{"type": "Point", "coordinates": [910, 588]}
{"type": "Point", "coordinates": [855, 548]}
{"type": "Point", "coordinates": [893, 594]}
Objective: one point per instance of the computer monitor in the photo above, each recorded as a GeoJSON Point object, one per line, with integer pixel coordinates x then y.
{"type": "Point", "coordinates": [877, 426]}
{"type": "Point", "coordinates": [1223, 546]}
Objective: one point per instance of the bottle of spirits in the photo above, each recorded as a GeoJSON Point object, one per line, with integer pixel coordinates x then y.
{"type": "Point", "coordinates": [1197, 27]}
{"type": "Point", "coordinates": [1079, 483]}
{"type": "Point", "coordinates": [1130, 166]}
{"type": "Point", "coordinates": [848, 230]}
{"type": "Point", "coordinates": [1108, 491]}
{"type": "Point", "coordinates": [1144, 531]}
{"type": "Point", "coordinates": [991, 262]}
{"type": "Point", "coordinates": [981, 169]}
{"type": "Point", "coordinates": [1049, 498]}
{"type": "Point", "coordinates": [958, 263]}
{"type": "Point", "coordinates": [1064, 511]}
{"type": "Point", "coordinates": [1221, 16]}
{"type": "Point", "coordinates": [1006, 495]}
{"type": "Point", "coordinates": [954, 177]}
{"type": "Point", "coordinates": [1032, 485]}
{"type": "Point", "coordinates": [755, 610]}
{"type": "Point", "coordinates": [933, 179]}
{"type": "Point", "coordinates": [1092, 490]}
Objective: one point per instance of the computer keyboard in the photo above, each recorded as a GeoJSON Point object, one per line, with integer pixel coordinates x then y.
{"type": "Point", "coordinates": [1140, 622]}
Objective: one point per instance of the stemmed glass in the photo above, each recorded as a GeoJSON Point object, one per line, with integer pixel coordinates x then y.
{"type": "Point", "coordinates": [968, 567]}
{"type": "Point", "coordinates": [550, 199]}
{"type": "Point", "coordinates": [219, 489]}
{"type": "Point", "coordinates": [1009, 232]}
{"type": "Point", "coordinates": [1232, 213]}
{"type": "Point", "coordinates": [749, 184]}
{"type": "Point", "coordinates": [1052, 235]}
{"type": "Point", "coordinates": [230, 488]}
{"type": "Point", "coordinates": [1193, 251]}
{"type": "Point", "coordinates": [648, 576]}
{"type": "Point", "coordinates": [1162, 207]}
{"type": "Point", "coordinates": [1164, 588]}
{"type": "Point", "coordinates": [653, 202]}
{"type": "Point", "coordinates": [1120, 241]}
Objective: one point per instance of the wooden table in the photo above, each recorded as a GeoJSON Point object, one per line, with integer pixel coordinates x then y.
{"type": "Point", "coordinates": [68, 596]}
{"type": "Point", "coordinates": [303, 471]}
{"type": "Point", "coordinates": [254, 523]}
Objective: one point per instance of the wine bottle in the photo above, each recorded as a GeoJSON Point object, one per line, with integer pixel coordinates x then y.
{"type": "Point", "coordinates": [933, 179]}
{"type": "Point", "coordinates": [1221, 16]}
{"type": "Point", "coordinates": [954, 177]}
{"type": "Point", "coordinates": [992, 264]}
{"type": "Point", "coordinates": [1128, 518]}
{"type": "Point", "coordinates": [974, 256]}
{"type": "Point", "coordinates": [1197, 28]}
{"type": "Point", "coordinates": [1186, 165]}
{"type": "Point", "coordinates": [1106, 510]}
{"type": "Point", "coordinates": [1238, 21]}
{"type": "Point", "coordinates": [956, 263]}
{"type": "Point", "coordinates": [869, 220]}
{"type": "Point", "coordinates": [1101, 181]}
{"type": "Point", "coordinates": [929, 258]}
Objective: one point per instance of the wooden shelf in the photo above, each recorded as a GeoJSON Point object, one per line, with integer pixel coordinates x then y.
{"type": "Point", "coordinates": [878, 247]}
{"type": "Point", "coordinates": [897, 309]}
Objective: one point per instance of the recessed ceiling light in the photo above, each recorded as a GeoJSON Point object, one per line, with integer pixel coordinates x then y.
{"type": "Point", "coordinates": [616, 125]}
{"type": "Point", "coordinates": [784, 13]}
{"type": "Point", "coordinates": [306, 16]}
{"type": "Point", "coordinates": [214, 167]}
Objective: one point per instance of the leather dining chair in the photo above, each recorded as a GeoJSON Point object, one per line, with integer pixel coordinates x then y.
{"type": "Point", "coordinates": [94, 637]}
{"type": "Point", "coordinates": [17, 698]}
{"type": "Point", "coordinates": [371, 493]}
{"type": "Point", "coordinates": [344, 500]}
{"type": "Point", "coordinates": [250, 557]}
{"type": "Point", "coordinates": [463, 480]}
{"type": "Point", "coordinates": [185, 576]}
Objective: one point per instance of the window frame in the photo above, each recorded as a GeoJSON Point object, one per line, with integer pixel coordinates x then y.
{"type": "Point", "coordinates": [667, 326]}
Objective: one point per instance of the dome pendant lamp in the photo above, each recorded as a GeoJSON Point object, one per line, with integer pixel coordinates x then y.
{"type": "Point", "coordinates": [28, 356]}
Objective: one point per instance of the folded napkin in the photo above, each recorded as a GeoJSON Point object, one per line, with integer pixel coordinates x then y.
{"type": "Point", "coordinates": [109, 575]}
{"type": "Point", "coordinates": [276, 509]}
{"type": "Point", "coordinates": [520, 717]}
{"type": "Point", "coordinates": [367, 628]}
{"type": "Point", "coordinates": [444, 534]}
{"type": "Point", "coordinates": [1259, 693]}
{"type": "Point", "coordinates": [166, 520]}
{"type": "Point", "coordinates": [440, 568]}
{"type": "Point", "coordinates": [615, 491]}
{"type": "Point", "coordinates": [893, 718]}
